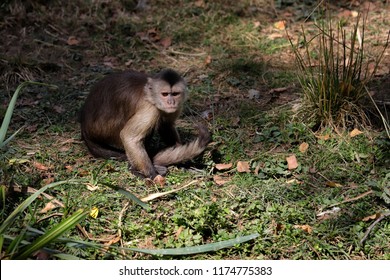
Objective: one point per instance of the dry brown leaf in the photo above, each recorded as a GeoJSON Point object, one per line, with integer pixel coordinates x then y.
{"type": "Point", "coordinates": [208, 60]}
{"type": "Point", "coordinates": [159, 180]}
{"type": "Point", "coordinates": [143, 36]}
{"type": "Point", "coordinates": [276, 227]}
{"type": "Point", "coordinates": [236, 121]}
{"type": "Point", "coordinates": [354, 14]}
{"type": "Point", "coordinates": [48, 180]}
{"type": "Point", "coordinates": [243, 166]}
{"type": "Point", "coordinates": [49, 206]}
{"type": "Point", "coordinates": [274, 36]}
{"type": "Point", "coordinates": [292, 162]}
{"type": "Point", "coordinates": [116, 239]}
{"type": "Point", "coordinates": [323, 137]}
{"type": "Point", "coordinates": [129, 62]}
{"type": "Point", "coordinates": [303, 147]}
{"type": "Point", "coordinates": [58, 109]}
{"type": "Point", "coordinates": [40, 166]}
{"type": "Point", "coordinates": [223, 166]}
{"type": "Point", "coordinates": [306, 228]}
{"type": "Point", "coordinates": [372, 217]}
{"type": "Point", "coordinates": [32, 128]}
{"type": "Point", "coordinates": [200, 3]}
{"type": "Point", "coordinates": [72, 41]}
{"type": "Point", "coordinates": [153, 35]}
{"type": "Point", "coordinates": [355, 132]}
{"type": "Point", "coordinates": [221, 180]}
{"type": "Point", "coordinates": [345, 13]}
{"type": "Point", "coordinates": [69, 168]}
{"type": "Point", "coordinates": [166, 42]}
{"type": "Point", "coordinates": [179, 230]}
{"type": "Point", "coordinates": [281, 25]}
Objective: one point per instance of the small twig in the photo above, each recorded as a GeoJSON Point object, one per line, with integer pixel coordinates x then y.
{"type": "Point", "coordinates": [124, 209]}
{"type": "Point", "coordinates": [162, 52]}
{"type": "Point", "coordinates": [315, 8]}
{"type": "Point", "coordinates": [50, 216]}
{"type": "Point", "coordinates": [187, 54]}
{"type": "Point", "coordinates": [160, 194]}
{"type": "Point", "coordinates": [49, 44]}
{"type": "Point", "coordinates": [351, 199]}
{"type": "Point", "coordinates": [32, 190]}
{"type": "Point", "coordinates": [384, 215]}
{"type": "Point", "coordinates": [84, 232]}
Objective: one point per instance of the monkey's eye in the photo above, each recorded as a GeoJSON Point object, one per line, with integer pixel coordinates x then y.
{"type": "Point", "coordinates": [165, 94]}
{"type": "Point", "coordinates": [175, 93]}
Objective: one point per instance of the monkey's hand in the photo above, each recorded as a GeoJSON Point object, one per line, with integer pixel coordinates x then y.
{"type": "Point", "coordinates": [162, 170]}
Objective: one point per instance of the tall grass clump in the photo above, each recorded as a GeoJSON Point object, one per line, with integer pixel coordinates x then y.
{"type": "Point", "coordinates": [334, 70]}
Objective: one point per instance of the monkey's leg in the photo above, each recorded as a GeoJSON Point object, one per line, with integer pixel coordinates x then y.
{"type": "Point", "coordinates": [133, 135]}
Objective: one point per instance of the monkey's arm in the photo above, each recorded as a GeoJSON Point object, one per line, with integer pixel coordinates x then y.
{"type": "Point", "coordinates": [133, 135]}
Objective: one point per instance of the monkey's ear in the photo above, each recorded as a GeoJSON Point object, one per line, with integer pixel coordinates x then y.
{"type": "Point", "coordinates": [149, 83]}
{"type": "Point", "coordinates": [148, 88]}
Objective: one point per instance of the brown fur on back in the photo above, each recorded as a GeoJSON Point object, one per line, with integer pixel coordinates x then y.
{"type": "Point", "coordinates": [106, 110]}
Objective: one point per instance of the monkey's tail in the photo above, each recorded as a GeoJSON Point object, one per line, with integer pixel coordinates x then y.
{"type": "Point", "coordinates": [184, 152]}
{"type": "Point", "coordinates": [103, 151]}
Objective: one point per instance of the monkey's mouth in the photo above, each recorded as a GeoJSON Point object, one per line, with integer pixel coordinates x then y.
{"type": "Point", "coordinates": [171, 109]}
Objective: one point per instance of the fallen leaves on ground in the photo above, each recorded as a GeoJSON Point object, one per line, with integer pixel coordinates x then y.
{"type": "Point", "coordinates": [243, 166]}
{"type": "Point", "coordinates": [292, 162]}
{"type": "Point", "coordinates": [40, 166]}
{"type": "Point", "coordinates": [223, 166]}
{"type": "Point", "coordinates": [355, 132]}
{"type": "Point", "coordinates": [371, 217]}
{"type": "Point", "coordinates": [159, 180]}
{"type": "Point", "coordinates": [303, 147]}
{"type": "Point", "coordinates": [221, 180]}
{"type": "Point", "coordinates": [305, 228]}
{"type": "Point", "coordinates": [49, 206]}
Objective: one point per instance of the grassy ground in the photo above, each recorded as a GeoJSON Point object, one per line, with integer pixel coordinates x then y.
{"type": "Point", "coordinates": [225, 50]}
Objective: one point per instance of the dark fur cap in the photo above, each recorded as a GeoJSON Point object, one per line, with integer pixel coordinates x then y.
{"type": "Point", "coordinates": [170, 76]}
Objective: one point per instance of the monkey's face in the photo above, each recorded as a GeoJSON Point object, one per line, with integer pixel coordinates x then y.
{"type": "Point", "coordinates": [168, 98]}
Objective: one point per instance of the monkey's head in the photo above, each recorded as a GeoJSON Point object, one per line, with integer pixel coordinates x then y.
{"type": "Point", "coordinates": [166, 90]}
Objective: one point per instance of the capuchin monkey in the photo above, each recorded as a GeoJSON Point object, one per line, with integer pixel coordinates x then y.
{"type": "Point", "coordinates": [122, 112]}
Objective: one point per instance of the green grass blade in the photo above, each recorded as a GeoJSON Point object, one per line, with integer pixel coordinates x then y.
{"type": "Point", "coordinates": [53, 233]}
{"type": "Point", "coordinates": [198, 249]}
{"type": "Point", "coordinates": [5, 142]}
{"type": "Point", "coordinates": [11, 106]}
{"type": "Point", "coordinates": [128, 194]}
{"type": "Point", "coordinates": [14, 245]}
{"type": "Point", "coordinates": [1, 242]}
{"type": "Point", "coordinates": [2, 199]}
{"type": "Point", "coordinates": [174, 251]}
{"type": "Point", "coordinates": [18, 210]}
